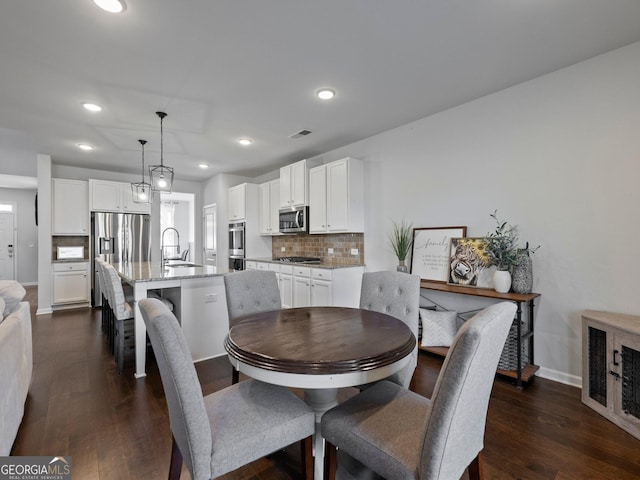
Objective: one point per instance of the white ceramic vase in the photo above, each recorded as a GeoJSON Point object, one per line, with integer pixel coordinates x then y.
{"type": "Point", "coordinates": [501, 281]}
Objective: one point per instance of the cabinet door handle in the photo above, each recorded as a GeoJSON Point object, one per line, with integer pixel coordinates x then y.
{"type": "Point", "coordinates": [614, 374]}
{"type": "Point", "coordinates": [615, 360]}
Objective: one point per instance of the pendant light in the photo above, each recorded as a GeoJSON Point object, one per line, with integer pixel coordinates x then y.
{"type": "Point", "coordinates": [142, 190]}
{"type": "Point", "coordinates": [161, 177]}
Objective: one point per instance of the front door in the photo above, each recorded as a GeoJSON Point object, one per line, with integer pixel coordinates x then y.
{"type": "Point", "coordinates": [7, 246]}
{"type": "Point", "coordinates": [209, 229]}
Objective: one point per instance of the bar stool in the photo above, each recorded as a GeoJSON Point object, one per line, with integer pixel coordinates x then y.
{"type": "Point", "coordinates": [123, 317]}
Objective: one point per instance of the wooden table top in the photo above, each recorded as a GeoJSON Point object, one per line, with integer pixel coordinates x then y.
{"type": "Point", "coordinates": [320, 340]}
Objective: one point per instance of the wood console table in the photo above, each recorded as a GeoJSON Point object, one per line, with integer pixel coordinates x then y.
{"type": "Point", "coordinates": [523, 373]}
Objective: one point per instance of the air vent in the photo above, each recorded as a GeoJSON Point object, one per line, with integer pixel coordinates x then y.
{"type": "Point", "coordinates": [301, 133]}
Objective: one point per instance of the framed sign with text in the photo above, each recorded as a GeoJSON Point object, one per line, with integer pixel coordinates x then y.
{"type": "Point", "coordinates": [431, 250]}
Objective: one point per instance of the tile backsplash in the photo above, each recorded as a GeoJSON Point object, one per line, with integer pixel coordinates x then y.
{"type": "Point", "coordinates": [319, 245]}
{"type": "Point", "coordinates": [69, 241]}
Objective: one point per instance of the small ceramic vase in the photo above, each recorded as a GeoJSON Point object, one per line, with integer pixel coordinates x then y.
{"type": "Point", "coordinates": [501, 281]}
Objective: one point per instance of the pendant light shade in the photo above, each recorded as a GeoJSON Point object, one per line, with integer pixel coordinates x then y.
{"type": "Point", "coordinates": [161, 177]}
{"type": "Point", "coordinates": [142, 190]}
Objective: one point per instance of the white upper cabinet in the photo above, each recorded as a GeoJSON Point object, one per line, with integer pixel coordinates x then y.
{"type": "Point", "coordinates": [104, 196]}
{"type": "Point", "coordinates": [107, 196]}
{"type": "Point", "coordinates": [128, 205]}
{"type": "Point", "coordinates": [293, 185]}
{"type": "Point", "coordinates": [243, 204]}
{"type": "Point", "coordinates": [238, 202]}
{"type": "Point", "coordinates": [269, 193]}
{"type": "Point", "coordinates": [336, 197]}
{"type": "Point", "coordinates": [70, 212]}
{"type": "Point", "coordinates": [318, 199]}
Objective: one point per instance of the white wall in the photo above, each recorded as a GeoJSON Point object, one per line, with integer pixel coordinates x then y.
{"type": "Point", "coordinates": [559, 157]}
{"type": "Point", "coordinates": [215, 191]}
{"type": "Point", "coordinates": [26, 247]}
{"type": "Point", "coordinates": [17, 154]}
{"type": "Point", "coordinates": [44, 234]}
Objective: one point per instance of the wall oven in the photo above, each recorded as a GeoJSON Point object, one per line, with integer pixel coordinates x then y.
{"type": "Point", "coordinates": [236, 246]}
{"type": "Point", "coordinates": [294, 220]}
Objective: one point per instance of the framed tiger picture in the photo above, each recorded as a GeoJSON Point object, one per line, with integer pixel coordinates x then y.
{"type": "Point", "coordinates": [469, 263]}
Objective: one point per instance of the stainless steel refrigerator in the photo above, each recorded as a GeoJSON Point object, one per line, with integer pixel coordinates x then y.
{"type": "Point", "coordinates": [118, 238]}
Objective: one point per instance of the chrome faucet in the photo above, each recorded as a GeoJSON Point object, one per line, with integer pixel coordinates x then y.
{"type": "Point", "coordinates": [163, 246]}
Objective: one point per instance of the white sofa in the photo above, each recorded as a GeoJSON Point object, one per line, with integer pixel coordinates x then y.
{"type": "Point", "coordinates": [16, 361]}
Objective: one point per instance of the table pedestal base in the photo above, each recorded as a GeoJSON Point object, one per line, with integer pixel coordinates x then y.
{"type": "Point", "coordinates": [320, 400]}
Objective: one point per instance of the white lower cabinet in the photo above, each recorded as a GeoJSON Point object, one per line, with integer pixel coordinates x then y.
{"type": "Point", "coordinates": [71, 283]}
{"type": "Point", "coordinates": [286, 285]}
{"type": "Point", "coordinates": [321, 287]}
{"type": "Point", "coordinates": [302, 286]}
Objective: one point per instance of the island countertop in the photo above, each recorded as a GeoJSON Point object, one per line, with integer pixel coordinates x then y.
{"type": "Point", "coordinates": [133, 272]}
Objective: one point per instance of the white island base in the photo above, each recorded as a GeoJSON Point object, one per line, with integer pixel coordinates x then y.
{"type": "Point", "coordinates": [199, 304]}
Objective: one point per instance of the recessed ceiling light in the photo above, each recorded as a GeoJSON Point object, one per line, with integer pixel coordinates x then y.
{"type": "Point", "coordinates": [92, 107]}
{"type": "Point", "coordinates": [85, 146]}
{"type": "Point", "coordinates": [112, 6]}
{"type": "Point", "coordinates": [325, 94]}
{"type": "Point", "coordinates": [203, 166]}
{"type": "Point", "coordinates": [245, 141]}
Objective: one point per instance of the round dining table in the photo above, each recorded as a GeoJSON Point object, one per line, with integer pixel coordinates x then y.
{"type": "Point", "coordinates": [320, 349]}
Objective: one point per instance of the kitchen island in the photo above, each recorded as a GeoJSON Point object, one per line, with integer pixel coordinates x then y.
{"type": "Point", "coordinates": [197, 294]}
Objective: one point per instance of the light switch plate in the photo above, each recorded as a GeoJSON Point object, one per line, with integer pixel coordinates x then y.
{"type": "Point", "coordinates": [282, 249]}
{"type": "Point", "coordinates": [330, 250]}
{"type": "Point", "coordinates": [354, 251]}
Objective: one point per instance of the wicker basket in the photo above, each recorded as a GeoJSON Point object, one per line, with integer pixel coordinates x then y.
{"type": "Point", "coordinates": [509, 357]}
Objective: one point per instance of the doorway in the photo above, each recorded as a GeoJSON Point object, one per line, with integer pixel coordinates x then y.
{"type": "Point", "coordinates": [7, 241]}
{"type": "Point", "coordinates": [209, 229]}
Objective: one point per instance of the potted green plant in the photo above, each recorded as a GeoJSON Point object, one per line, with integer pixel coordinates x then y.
{"type": "Point", "coordinates": [401, 239]}
{"type": "Point", "coordinates": [503, 252]}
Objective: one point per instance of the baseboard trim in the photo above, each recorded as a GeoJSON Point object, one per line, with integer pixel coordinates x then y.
{"type": "Point", "coordinates": [560, 377]}
{"type": "Point", "coordinates": [44, 311]}
{"type": "Point", "coordinates": [209, 358]}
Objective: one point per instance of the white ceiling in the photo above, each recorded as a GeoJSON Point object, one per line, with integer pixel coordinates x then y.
{"type": "Point", "coordinates": [225, 69]}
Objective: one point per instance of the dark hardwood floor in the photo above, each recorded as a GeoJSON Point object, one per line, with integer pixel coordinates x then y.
{"type": "Point", "coordinates": [117, 427]}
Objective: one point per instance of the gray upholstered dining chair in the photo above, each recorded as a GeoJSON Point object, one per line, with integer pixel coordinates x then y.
{"type": "Point", "coordinates": [397, 433]}
{"type": "Point", "coordinates": [220, 432]}
{"type": "Point", "coordinates": [122, 313]}
{"type": "Point", "coordinates": [249, 292]}
{"type": "Point", "coordinates": [396, 294]}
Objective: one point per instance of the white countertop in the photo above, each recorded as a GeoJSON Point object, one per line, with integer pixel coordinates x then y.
{"type": "Point", "coordinates": [323, 263]}
{"type": "Point", "coordinates": [153, 271]}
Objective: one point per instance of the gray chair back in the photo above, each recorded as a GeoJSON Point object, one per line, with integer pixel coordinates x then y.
{"type": "Point", "coordinates": [458, 412]}
{"type": "Point", "coordinates": [100, 276]}
{"type": "Point", "coordinates": [251, 291]}
{"type": "Point", "coordinates": [105, 281]}
{"type": "Point", "coordinates": [187, 413]}
{"type": "Point", "coordinates": [396, 294]}
{"type": "Point", "coordinates": [121, 309]}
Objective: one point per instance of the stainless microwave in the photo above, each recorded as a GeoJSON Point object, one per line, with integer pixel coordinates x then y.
{"type": "Point", "coordinates": [294, 220]}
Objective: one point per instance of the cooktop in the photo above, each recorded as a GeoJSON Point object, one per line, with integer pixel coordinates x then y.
{"type": "Point", "coordinates": [298, 259]}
